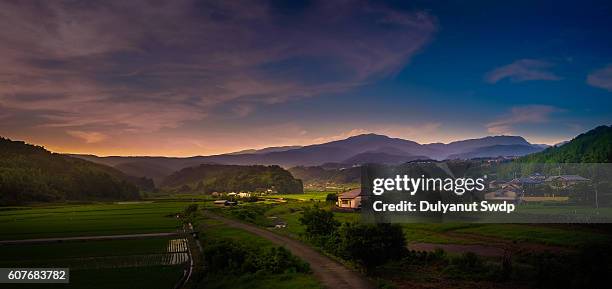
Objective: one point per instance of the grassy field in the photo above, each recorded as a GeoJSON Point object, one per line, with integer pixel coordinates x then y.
{"type": "Point", "coordinates": [214, 230]}
{"type": "Point", "coordinates": [455, 233]}
{"type": "Point", "coordinates": [78, 249]}
{"type": "Point", "coordinates": [88, 219]}
{"type": "Point", "coordinates": [568, 236]}
{"type": "Point", "coordinates": [158, 216]}
{"type": "Point", "coordinates": [306, 196]}
{"type": "Point", "coordinates": [563, 208]}
{"type": "Point", "coordinates": [121, 263]}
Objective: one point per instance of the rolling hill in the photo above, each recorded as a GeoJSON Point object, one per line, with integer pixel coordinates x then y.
{"type": "Point", "coordinates": [30, 173]}
{"type": "Point", "coordinates": [594, 146]}
{"type": "Point", "coordinates": [497, 151]}
{"type": "Point", "coordinates": [320, 175]}
{"type": "Point", "coordinates": [232, 178]}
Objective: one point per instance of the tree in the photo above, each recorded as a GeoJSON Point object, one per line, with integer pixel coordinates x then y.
{"type": "Point", "coordinates": [331, 198]}
{"type": "Point", "coordinates": [318, 222]}
{"type": "Point", "coordinates": [190, 213]}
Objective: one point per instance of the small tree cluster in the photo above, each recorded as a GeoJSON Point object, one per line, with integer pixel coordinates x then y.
{"type": "Point", "coordinates": [228, 256]}
{"type": "Point", "coordinates": [368, 245]}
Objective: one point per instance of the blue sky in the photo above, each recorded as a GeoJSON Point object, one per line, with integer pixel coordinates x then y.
{"type": "Point", "coordinates": [187, 78]}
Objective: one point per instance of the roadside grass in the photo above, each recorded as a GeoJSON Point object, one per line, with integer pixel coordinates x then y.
{"type": "Point", "coordinates": [216, 230]}
{"type": "Point", "coordinates": [88, 220]}
{"type": "Point", "coordinates": [264, 281]}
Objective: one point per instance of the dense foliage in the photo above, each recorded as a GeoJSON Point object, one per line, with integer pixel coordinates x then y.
{"type": "Point", "coordinates": [318, 222]}
{"type": "Point", "coordinates": [321, 175]}
{"type": "Point", "coordinates": [371, 245]}
{"type": "Point", "coordinates": [594, 146]}
{"type": "Point", "coordinates": [367, 245]}
{"type": "Point", "coordinates": [228, 256]}
{"type": "Point", "coordinates": [208, 178]}
{"type": "Point", "coordinates": [32, 174]}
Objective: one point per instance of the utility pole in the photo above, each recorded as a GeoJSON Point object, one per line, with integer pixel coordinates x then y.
{"type": "Point", "coordinates": [594, 182]}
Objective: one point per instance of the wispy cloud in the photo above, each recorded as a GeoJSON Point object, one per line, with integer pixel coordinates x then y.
{"type": "Point", "coordinates": [107, 65]}
{"type": "Point", "coordinates": [88, 136]}
{"type": "Point", "coordinates": [521, 115]}
{"type": "Point", "coordinates": [523, 70]}
{"type": "Point", "coordinates": [601, 78]}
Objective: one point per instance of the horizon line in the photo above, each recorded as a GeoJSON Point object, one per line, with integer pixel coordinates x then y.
{"type": "Point", "coordinates": [273, 146]}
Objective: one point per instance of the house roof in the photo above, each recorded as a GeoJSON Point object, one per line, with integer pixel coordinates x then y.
{"type": "Point", "coordinates": [528, 180]}
{"type": "Point", "coordinates": [350, 194]}
{"type": "Point", "coordinates": [569, 178]}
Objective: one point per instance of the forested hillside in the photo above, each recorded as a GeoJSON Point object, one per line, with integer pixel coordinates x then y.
{"type": "Point", "coordinates": [209, 178]}
{"type": "Point", "coordinates": [320, 175]}
{"type": "Point", "coordinates": [30, 173]}
{"type": "Point", "coordinates": [594, 146]}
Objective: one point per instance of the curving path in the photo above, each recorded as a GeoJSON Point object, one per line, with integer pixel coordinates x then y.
{"type": "Point", "coordinates": [332, 274]}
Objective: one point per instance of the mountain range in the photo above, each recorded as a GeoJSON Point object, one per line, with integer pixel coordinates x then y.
{"type": "Point", "coordinates": [356, 150]}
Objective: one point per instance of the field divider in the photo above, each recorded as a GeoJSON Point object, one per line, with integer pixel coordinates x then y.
{"type": "Point", "coordinates": [87, 238]}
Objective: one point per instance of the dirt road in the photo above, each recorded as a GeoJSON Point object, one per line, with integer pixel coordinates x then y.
{"type": "Point", "coordinates": [332, 274]}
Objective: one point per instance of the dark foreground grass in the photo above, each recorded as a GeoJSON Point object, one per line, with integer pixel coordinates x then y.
{"type": "Point", "coordinates": [33, 253]}
{"type": "Point", "coordinates": [262, 281]}
{"type": "Point", "coordinates": [155, 277]}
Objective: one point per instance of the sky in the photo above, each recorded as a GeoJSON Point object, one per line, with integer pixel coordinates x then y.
{"type": "Point", "coordinates": [183, 77]}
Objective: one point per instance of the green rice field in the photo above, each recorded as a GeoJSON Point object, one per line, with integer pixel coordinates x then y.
{"type": "Point", "coordinates": [88, 220]}
{"type": "Point", "coordinates": [113, 263]}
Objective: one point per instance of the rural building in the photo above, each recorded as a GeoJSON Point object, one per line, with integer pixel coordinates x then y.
{"type": "Point", "coordinates": [220, 202]}
{"type": "Point", "coordinates": [509, 194]}
{"type": "Point", "coordinates": [496, 184]}
{"type": "Point", "coordinates": [566, 180]}
{"type": "Point", "coordinates": [529, 181]}
{"type": "Point", "coordinates": [244, 195]}
{"type": "Point", "coordinates": [225, 203]}
{"type": "Point", "coordinates": [350, 199]}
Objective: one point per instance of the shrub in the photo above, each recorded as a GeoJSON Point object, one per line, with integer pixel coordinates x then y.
{"type": "Point", "coordinates": [331, 198]}
{"type": "Point", "coordinates": [318, 222]}
{"type": "Point", "coordinates": [190, 213]}
{"type": "Point", "coordinates": [224, 256]}
{"type": "Point", "coordinates": [371, 245]}
{"type": "Point", "coordinates": [230, 256]}
{"type": "Point", "coordinates": [468, 261]}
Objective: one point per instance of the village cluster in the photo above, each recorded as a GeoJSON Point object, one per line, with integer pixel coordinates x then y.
{"type": "Point", "coordinates": [536, 187]}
